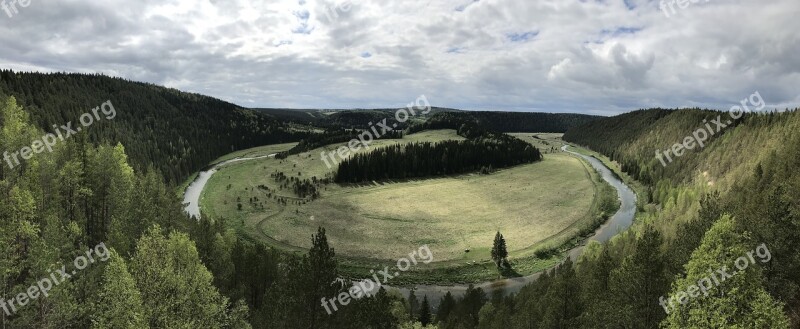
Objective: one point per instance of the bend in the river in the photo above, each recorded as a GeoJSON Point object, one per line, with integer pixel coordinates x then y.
{"type": "Point", "coordinates": [191, 197]}
{"type": "Point", "coordinates": [621, 220]}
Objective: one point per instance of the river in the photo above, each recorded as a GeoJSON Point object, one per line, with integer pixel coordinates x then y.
{"type": "Point", "coordinates": [619, 222]}
{"type": "Point", "coordinates": [191, 197]}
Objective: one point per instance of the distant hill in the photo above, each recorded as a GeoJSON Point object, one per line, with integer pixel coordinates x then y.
{"type": "Point", "coordinates": [505, 121]}
{"type": "Point", "coordinates": [355, 118]}
{"type": "Point", "coordinates": [176, 132]}
{"type": "Point", "coordinates": [179, 133]}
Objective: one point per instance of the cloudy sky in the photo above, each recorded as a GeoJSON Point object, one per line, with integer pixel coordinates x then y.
{"type": "Point", "coordinates": [588, 56]}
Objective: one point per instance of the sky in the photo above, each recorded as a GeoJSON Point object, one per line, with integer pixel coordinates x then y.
{"type": "Point", "coordinates": [580, 56]}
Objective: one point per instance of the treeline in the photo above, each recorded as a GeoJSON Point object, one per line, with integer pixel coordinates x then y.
{"type": "Point", "coordinates": [163, 270]}
{"type": "Point", "coordinates": [345, 119]}
{"type": "Point", "coordinates": [333, 136]}
{"type": "Point", "coordinates": [177, 133]}
{"type": "Point", "coordinates": [716, 205]}
{"type": "Point", "coordinates": [504, 121]}
{"type": "Point", "coordinates": [56, 206]}
{"type": "Point", "coordinates": [427, 159]}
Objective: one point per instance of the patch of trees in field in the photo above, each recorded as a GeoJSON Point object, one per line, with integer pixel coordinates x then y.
{"type": "Point", "coordinates": [333, 136]}
{"type": "Point", "coordinates": [304, 188]}
{"type": "Point", "coordinates": [427, 159]}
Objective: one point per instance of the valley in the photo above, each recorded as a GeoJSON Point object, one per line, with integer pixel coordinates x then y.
{"type": "Point", "coordinates": [547, 205]}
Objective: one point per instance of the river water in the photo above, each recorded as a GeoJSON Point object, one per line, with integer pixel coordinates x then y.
{"type": "Point", "coordinates": [619, 222]}
{"type": "Point", "coordinates": [191, 197]}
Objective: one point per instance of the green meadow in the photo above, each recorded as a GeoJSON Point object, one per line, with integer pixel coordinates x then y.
{"type": "Point", "coordinates": [535, 206]}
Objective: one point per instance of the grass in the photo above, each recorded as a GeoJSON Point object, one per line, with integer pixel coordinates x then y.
{"type": "Point", "coordinates": [541, 205]}
{"type": "Point", "coordinates": [638, 187]}
{"type": "Point", "coordinates": [251, 152]}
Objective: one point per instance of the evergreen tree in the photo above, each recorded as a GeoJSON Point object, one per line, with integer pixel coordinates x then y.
{"type": "Point", "coordinates": [446, 306]}
{"type": "Point", "coordinates": [321, 279]}
{"type": "Point", "coordinates": [425, 312]}
{"type": "Point", "coordinates": [638, 282]}
{"type": "Point", "coordinates": [413, 304]}
{"type": "Point", "coordinates": [562, 303]}
{"type": "Point", "coordinates": [499, 251]}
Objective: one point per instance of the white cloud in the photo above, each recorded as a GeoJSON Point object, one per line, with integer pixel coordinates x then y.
{"type": "Point", "coordinates": [551, 55]}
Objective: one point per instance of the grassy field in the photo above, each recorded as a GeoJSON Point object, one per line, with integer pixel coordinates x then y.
{"type": "Point", "coordinates": [538, 205]}
{"type": "Point", "coordinates": [251, 152]}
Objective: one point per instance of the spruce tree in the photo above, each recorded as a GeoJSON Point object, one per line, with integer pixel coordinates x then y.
{"type": "Point", "coordinates": [425, 312]}
{"type": "Point", "coordinates": [499, 250]}
{"type": "Point", "coordinates": [446, 306]}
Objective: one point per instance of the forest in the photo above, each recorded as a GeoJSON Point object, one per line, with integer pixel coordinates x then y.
{"type": "Point", "coordinates": [332, 136]}
{"type": "Point", "coordinates": [427, 159]}
{"type": "Point", "coordinates": [504, 121]}
{"type": "Point", "coordinates": [699, 213]}
{"type": "Point", "coordinates": [164, 270]}
{"type": "Point", "coordinates": [175, 132]}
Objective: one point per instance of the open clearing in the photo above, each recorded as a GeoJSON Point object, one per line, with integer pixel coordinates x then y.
{"type": "Point", "coordinates": [387, 220]}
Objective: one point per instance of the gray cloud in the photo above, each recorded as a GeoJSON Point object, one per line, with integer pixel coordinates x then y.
{"type": "Point", "coordinates": [602, 57]}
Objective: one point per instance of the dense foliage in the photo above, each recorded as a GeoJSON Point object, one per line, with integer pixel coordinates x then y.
{"type": "Point", "coordinates": [504, 121]}
{"type": "Point", "coordinates": [710, 207]}
{"type": "Point", "coordinates": [166, 271]}
{"type": "Point", "coordinates": [334, 136]}
{"type": "Point", "coordinates": [163, 270]}
{"type": "Point", "coordinates": [427, 159]}
{"type": "Point", "coordinates": [176, 132]}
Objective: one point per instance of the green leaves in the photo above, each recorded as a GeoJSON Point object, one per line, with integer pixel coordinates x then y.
{"type": "Point", "coordinates": [175, 286]}
{"type": "Point", "coordinates": [739, 301]}
{"type": "Point", "coordinates": [119, 303]}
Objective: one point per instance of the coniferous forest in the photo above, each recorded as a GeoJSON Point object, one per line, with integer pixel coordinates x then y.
{"type": "Point", "coordinates": [433, 159]}
{"type": "Point", "coordinates": [372, 164]}
{"type": "Point", "coordinates": [739, 192]}
{"type": "Point", "coordinates": [175, 132]}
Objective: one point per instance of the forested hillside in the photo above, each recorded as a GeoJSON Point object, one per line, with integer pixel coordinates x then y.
{"type": "Point", "coordinates": [506, 121]}
{"type": "Point", "coordinates": [138, 261]}
{"type": "Point", "coordinates": [709, 208]}
{"type": "Point", "coordinates": [176, 132]}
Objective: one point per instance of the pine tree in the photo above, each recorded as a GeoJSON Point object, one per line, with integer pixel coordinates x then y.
{"type": "Point", "coordinates": [446, 306]}
{"type": "Point", "coordinates": [425, 312]}
{"type": "Point", "coordinates": [321, 278]}
{"type": "Point", "coordinates": [499, 250]}
{"type": "Point", "coordinates": [413, 304]}
{"type": "Point", "coordinates": [638, 282]}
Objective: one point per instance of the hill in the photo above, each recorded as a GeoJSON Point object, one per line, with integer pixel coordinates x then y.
{"type": "Point", "coordinates": [703, 211]}
{"type": "Point", "coordinates": [176, 132]}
